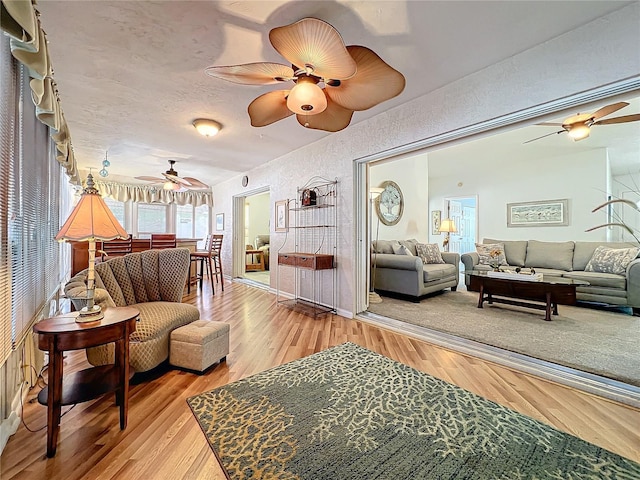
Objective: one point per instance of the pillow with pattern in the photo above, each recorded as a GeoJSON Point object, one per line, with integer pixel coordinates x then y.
{"type": "Point", "coordinates": [491, 254]}
{"type": "Point", "coordinates": [401, 249]}
{"type": "Point", "coordinates": [429, 253]}
{"type": "Point", "coordinates": [611, 260]}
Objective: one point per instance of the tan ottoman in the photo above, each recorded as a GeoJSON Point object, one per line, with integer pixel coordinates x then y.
{"type": "Point", "coordinates": [199, 345]}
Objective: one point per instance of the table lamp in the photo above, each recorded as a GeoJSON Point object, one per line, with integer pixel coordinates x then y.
{"type": "Point", "coordinates": [448, 226]}
{"type": "Point", "coordinates": [91, 220]}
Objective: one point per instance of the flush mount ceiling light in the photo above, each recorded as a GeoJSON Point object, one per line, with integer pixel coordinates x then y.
{"type": "Point", "coordinates": [331, 80]}
{"type": "Point", "coordinates": [207, 127]}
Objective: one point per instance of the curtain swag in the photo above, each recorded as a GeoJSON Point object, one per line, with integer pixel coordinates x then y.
{"type": "Point", "coordinates": [147, 194]}
{"type": "Point", "coordinates": [19, 20]}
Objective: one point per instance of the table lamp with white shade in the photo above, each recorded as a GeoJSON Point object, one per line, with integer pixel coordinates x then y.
{"type": "Point", "coordinates": [448, 226]}
{"type": "Point", "coordinates": [91, 220]}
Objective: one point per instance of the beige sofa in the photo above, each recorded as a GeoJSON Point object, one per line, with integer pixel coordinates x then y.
{"type": "Point", "coordinates": [569, 259]}
{"type": "Point", "coordinates": [407, 275]}
{"type": "Point", "coordinates": [153, 281]}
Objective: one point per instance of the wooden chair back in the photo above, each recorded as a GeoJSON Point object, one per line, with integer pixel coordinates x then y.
{"type": "Point", "coordinates": [163, 240]}
{"type": "Point", "coordinates": [216, 245]}
{"type": "Point", "coordinates": [116, 248]}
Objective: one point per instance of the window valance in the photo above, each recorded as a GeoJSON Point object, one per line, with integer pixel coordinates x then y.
{"type": "Point", "coordinates": [147, 194]}
{"type": "Point", "coordinates": [19, 20]}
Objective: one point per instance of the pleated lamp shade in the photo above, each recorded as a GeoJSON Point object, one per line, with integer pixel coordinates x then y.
{"type": "Point", "coordinates": [91, 219]}
{"type": "Point", "coordinates": [448, 226]}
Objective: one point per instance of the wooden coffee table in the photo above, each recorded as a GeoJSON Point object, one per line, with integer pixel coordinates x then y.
{"type": "Point", "coordinates": [551, 291]}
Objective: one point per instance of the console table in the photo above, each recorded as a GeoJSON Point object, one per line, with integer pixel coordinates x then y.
{"type": "Point", "coordinates": [59, 334]}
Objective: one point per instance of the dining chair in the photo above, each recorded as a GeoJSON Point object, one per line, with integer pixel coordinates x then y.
{"type": "Point", "coordinates": [163, 240]}
{"type": "Point", "coordinates": [216, 258]}
{"type": "Point", "coordinates": [203, 257]}
{"type": "Point", "coordinates": [116, 248]}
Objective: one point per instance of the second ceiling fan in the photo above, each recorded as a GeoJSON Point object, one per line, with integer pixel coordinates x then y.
{"type": "Point", "coordinates": [331, 80]}
{"type": "Point", "coordinates": [578, 127]}
{"type": "Point", "coordinates": [172, 181]}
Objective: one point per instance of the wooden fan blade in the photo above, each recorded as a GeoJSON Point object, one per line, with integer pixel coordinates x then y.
{"type": "Point", "coordinates": [314, 43]}
{"type": "Point", "coordinates": [195, 183]}
{"type": "Point", "coordinates": [259, 73]}
{"type": "Point", "coordinates": [374, 83]}
{"type": "Point", "coordinates": [579, 118]}
{"type": "Point", "coordinates": [150, 179]}
{"type": "Point", "coordinates": [332, 119]}
{"type": "Point", "coordinates": [549, 124]}
{"type": "Point", "coordinates": [623, 119]}
{"type": "Point", "coordinates": [269, 108]}
{"type": "Point", "coordinates": [174, 178]}
{"type": "Point", "coordinates": [608, 110]}
{"type": "Point", "coordinates": [547, 135]}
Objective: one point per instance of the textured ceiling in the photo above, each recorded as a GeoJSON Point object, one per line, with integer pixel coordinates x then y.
{"type": "Point", "coordinates": [131, 73]}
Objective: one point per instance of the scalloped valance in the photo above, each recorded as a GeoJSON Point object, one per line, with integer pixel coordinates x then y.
{"type": "Point", "coordinates": [146, 194]}
{"type": "Point", "coordinates": [19, 20]}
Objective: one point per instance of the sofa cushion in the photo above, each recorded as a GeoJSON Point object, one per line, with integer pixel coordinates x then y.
{"type": "Point", "coordinates": [438, 271]}
{"type": "Point", "coordinates": [491, 253]}
{"type": "Point", "coordinates": [598, 279]}
{"type": "Point", "coordinates": [584, 251]}
{"type": "Point", "coordinates": [429, 253]}
{"type": "Point", "coordinates": [515, 251]}
{"type": "Point", "coordinates": [401, 249]}
{"type": "Point", "coordinates": [611, 260]}
{"type": "Point", "coordinates": [159, 318]}
{"type": "Point", "coordinates": [383, 246]}
{"type": "Point", "coordinates": [555, 255]}
{"type": "Point", "coordinates": [261, 241]}
{"type": "Point", "coordinates": [410, 244]}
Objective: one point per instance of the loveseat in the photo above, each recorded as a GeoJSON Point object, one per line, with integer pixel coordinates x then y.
{"type": "Point", "coordinates": [570, 259]}
{"type": "Point", "coordinates": [403, 272]}
{"type": "Point", "coordinates": [153, 281]}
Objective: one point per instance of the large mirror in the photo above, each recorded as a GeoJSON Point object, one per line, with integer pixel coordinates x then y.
{"type": "Point", "coordinates": [475, 181]}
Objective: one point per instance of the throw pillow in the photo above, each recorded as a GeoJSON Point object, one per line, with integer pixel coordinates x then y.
{"type": "Point", "coordinates": [401, 250]}
{"type": "Point", "coordinates": [491, 254]}
{"type": "Point", "coordinates": [611, 260]}
{"type": "Point", "coordinates": [429, 253]}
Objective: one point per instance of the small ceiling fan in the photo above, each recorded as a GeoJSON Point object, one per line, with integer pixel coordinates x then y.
{"type": "Point", "coordinates": [331, 80]}
{"type": "Point", "coordinates": [579, 126]}
{"type": "Point", "coordinates": [172, 181]}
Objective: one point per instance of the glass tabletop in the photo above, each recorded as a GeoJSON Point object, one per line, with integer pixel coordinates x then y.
{"type": "Point", "coordinates": [551, 279]}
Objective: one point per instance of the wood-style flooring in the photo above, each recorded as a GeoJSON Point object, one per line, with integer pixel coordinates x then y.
{"type": "Point", "coordinates": [164, 441]}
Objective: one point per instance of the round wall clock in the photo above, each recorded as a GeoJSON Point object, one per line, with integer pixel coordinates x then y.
{"type": "Point", "coordinates": [245, 181]}
{"type": "Point", "coordinates": [390, 203]}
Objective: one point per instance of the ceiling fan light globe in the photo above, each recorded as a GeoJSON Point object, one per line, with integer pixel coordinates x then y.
{"type": "Point", "coordinates": [170, 186]}
{"type": "Point", "coordinates": [579, 132]}
{"type": "Point", "coordinates": [206, 127]}
{"type": "Point", "coordinates": [306, 98]}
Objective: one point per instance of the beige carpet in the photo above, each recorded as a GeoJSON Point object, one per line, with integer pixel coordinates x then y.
{"type": "Point", "coordinates": [587, 339]}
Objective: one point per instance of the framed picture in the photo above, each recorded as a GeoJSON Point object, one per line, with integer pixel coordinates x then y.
{"type": "Point", "coordinates": [544, 213]}
{"type": "Point", "coordinates": [282, 216]}
{"type": "Point", "coordinates": [219, 221]}
{"type": "Point", "coordinates": [436, 217]}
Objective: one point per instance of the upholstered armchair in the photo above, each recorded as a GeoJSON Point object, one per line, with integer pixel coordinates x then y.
{"type": "Point", "coordinates": [262, 244]}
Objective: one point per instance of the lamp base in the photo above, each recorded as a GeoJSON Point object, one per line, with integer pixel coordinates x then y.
{"type": "Point", "coordinates": [86, 315]}
{"type": "Point", "coordinates": [374, 298]}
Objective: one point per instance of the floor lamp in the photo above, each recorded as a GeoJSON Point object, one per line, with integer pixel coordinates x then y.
{"type": "Point", "coordinates": [374, 193]}
{"type": "Point", "coordinates": [91, 220]}
{"type": "Point", "coordinates": [448, 226]}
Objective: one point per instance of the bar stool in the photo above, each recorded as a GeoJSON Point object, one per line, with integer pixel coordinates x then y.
{"type": "Point", "coordinates": [163, 240]}
{"type": "Point", "coordinates": [204, 258]}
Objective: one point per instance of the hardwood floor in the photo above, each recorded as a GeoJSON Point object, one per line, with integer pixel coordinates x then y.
{"type": "Point", "coordinates": [163, 440]}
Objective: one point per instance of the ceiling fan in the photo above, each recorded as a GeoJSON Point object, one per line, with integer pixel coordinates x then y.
{"type": "Point", "coordinates": [579, 126]}
{"type": "Point", "coordinates": [331, 80]}
{"type": "Point", "coordinates": [172, 181]}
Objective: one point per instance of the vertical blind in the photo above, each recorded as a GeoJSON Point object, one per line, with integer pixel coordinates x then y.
{"type": "Point", "coordinates": [34, 193]}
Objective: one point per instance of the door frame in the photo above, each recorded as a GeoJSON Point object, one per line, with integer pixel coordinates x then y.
{"type": "Point", "coordinates": [238, 251]}
{"type": "Point", "coordinates": [446, 201]}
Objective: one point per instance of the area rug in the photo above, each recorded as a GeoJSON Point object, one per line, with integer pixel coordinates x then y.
{"type": "Point", "coordinates": [601, 342]}
{"type": "Point", "coordinates": [351, 414]}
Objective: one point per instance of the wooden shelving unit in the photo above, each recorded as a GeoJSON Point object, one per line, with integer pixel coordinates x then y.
{"type": "Point", "coordinates": [312, 250]}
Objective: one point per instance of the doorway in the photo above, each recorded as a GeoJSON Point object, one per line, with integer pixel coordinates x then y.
{"type": "Point", "coordinates": [256, 238]}
{"type": "Point", "coordinates": [464, 213]}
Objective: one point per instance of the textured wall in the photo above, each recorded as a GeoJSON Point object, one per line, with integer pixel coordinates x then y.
{"type": "Point", "coordinates": [591, 56]}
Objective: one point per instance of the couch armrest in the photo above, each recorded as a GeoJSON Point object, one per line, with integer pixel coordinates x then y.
{"type": "Point", "coordinates": [451, 258]}
{"type": "Point", "coordinates": [470, 260]}
{"type": "Point", "coordinates": [633, 283]}
{"type": "Point", "coordinates": [78, 296]}
{"type": "Point", "coordinates": [399, 262]}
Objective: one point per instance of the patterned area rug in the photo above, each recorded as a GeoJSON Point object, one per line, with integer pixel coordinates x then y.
{"type": "Point", "coordinates": [349, 413]}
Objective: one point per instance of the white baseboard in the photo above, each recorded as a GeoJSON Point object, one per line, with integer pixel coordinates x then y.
{"type": "Point", "coordinates": [10, 425]}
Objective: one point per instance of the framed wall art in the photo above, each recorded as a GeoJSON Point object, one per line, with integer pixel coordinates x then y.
{"type": "Point", "coordinates": [543, 213]}
{"type": "Point", "coordinates": [219, 221]}
{"type": "Point", "coordinates": [282, 216]}
{"type": "Point", "coordinates": [436, 218]}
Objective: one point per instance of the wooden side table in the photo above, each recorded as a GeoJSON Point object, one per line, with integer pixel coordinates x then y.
{"type": "Point", "coordinates": [255, 266]}
{"type": "Point", "coordinates": [59, 334]}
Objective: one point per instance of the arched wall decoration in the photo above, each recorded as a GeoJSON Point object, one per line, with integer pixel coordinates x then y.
{"type": "Point", "coordinates": [390, 203]}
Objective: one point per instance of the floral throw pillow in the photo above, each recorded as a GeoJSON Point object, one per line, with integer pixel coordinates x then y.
{"type": "Point", "coordinates": [491, 254]}
{"type": "Point", "coordinates": [429, 253]}
{"type": "Point", "coordinates": [611, 260]}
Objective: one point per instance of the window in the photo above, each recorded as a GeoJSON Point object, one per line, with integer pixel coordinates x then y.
{"type": "Point", "coordinates": [117, 208]}
{"type": "Point", "coordinates": [192, 222]}
{"type": "Point", "coordinates": [152, 218]}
